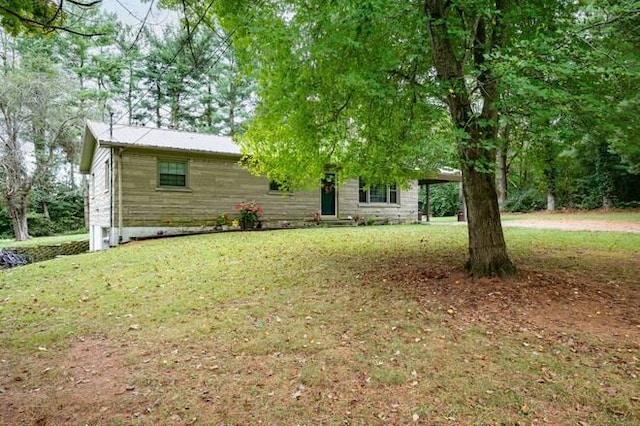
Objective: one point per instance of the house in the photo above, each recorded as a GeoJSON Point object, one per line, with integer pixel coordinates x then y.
{"type": "Point", "coordinates": [147, 181]}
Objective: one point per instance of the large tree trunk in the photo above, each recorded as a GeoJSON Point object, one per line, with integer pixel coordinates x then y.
{"type": "Point", "coordinates": [18, 207]}
{"type": "Point", "coordinates": [487, 248]}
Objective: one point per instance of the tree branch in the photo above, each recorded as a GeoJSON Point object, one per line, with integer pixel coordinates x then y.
{"type": "Point", "coordinates": [83, 4]}
{"type": "Point", "coordinates": [45, 26]}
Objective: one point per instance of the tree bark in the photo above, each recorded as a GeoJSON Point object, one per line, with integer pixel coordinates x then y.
{"type": "Point", "coordinates": [487, 249]}
{"type": "Point", "coordinates": [550, 177]}
{"type": "Point", "coordinates": [604, 175]}
{"type": "Point", "coordinates": [18, 205]}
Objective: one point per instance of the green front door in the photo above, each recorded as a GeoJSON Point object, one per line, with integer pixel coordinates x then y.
{"type": "Point", "coordinates": [328, 195]}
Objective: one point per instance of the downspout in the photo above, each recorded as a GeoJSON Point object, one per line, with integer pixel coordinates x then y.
{"type": "Point", "coordinates": [111, 199]}
{"type": "Point", "coordinates": [120, 220]}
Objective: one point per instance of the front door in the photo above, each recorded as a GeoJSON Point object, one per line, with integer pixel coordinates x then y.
{"type": "Point", "coordinates": [328, 195]}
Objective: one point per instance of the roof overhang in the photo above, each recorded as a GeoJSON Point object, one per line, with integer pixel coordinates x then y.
{"type": "Point", "coordinates": [443, 175]}
{"type": "Point", "coordinates": [89, 144]}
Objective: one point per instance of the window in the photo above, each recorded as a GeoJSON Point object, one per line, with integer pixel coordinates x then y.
{"type": "Point", "coordinates": [172, 173]}
{"type": "Point", "coordinates": [393, 194]}
{"type": "Point", "coordinates": [278, 187]}
{"type": "Point", "coordinates": [377, 193]}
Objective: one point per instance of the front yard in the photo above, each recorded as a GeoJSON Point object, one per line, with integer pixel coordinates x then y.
{"type": "Point", "coordinates": [370, 325]}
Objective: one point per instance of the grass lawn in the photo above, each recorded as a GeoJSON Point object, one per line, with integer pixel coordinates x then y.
{"type": "Point", "coordinates": [57, 239]}
{"type": "Point", "coordinates": [366, 325]}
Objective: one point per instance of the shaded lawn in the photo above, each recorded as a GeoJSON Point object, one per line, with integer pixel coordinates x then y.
{"type": "Point", "coordinates": [370, 325]}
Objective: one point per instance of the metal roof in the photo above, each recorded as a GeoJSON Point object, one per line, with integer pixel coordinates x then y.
{"type": "Point", "coordinates": [150, 137]}
{"type": "Point", "coordinates": [445, 174]}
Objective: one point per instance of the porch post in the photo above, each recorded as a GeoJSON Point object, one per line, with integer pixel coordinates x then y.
{"type": "Point", "coordinates": [462, 216]}
{"type": "Point", "coordinates": [427, 202]}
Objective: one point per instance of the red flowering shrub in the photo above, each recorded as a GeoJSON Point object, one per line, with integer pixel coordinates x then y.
{"type": "Point", "coordinates": [250, 212]}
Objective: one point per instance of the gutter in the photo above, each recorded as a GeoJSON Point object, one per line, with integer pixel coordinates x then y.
{"type": "Point", "coordinates": [111, 181]}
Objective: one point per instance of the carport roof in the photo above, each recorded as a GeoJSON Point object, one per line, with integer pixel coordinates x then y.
{"type": "Point", "coordinates": [443, 175]}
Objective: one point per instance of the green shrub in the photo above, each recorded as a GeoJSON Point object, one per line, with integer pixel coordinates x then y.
{"type": "Point", "coordinates": [444, 199]}
{"type": "Point", "coordinates": [525, 201]}
{"type": "Point", "coordinates": [40, 226]}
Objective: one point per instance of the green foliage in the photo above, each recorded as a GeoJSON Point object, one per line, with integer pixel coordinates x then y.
{"type": "Point", "coordinates": [29, 16]}
{"type": "Point", "coordinates": [40, 225]}
{"type": "Point", "coordinates": [357, 97]}
{"type": "Point", "coordinates": [444, 199]}
{"type": "Point", "coordinates": [525, 200]}
{"type": "Point", "coordinates": [6, 231]}
{"type": "Point", "coordinates": [65, 213]}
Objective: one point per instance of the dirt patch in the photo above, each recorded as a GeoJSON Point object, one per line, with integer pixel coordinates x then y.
{"type": "Point", "coordinates": [554, 302]}
{"type": "Point", "coordinates": [91, 385]}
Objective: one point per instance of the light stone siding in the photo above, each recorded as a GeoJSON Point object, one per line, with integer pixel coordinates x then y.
{"type": "Point", "coordinates": [405, 211]}
{"type": "Point", "coordinates": [100, 199]}
{"type": "Point", "coordinates": [214, 185]}
{"type": "Point", "coordinates": [99, 193]}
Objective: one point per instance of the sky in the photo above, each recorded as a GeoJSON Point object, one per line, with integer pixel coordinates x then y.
{"type": "Point", "coordinates": [132, 12]}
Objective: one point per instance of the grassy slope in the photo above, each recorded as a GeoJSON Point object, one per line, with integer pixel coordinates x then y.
{"type": "Point", "coordinates": [282, 327]}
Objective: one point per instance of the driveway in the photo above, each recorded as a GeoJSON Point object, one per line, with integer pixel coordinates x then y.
{"type": "Point", "coordinates": [575, 225]}
{"type": "Point", "coordinates": [565, 224]}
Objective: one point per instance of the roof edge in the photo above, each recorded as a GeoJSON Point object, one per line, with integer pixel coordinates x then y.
{"type": "Point", "coordinates": [89, 143]}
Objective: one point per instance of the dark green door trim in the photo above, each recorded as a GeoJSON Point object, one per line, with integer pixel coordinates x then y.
{"type": "Point", "coordinates": [328, 195]}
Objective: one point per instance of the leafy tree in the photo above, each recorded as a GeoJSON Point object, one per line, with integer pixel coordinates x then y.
{"type": "Point", "coordinates": [34, 123]}
{"type": "Point", "coordinates": [360, 83]}
{"type": "Point", "coordinates": [41, 16]}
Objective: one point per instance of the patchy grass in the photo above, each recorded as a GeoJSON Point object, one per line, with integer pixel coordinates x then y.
{"type": "Point", "coordinates": [367, 325]}
{"type": "Point", "coordinates": [37, 241]}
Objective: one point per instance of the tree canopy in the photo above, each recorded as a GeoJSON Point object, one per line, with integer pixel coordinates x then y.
{"type": "Point", "coordinates": [42, 16]}
{"type": "Point", "coordinates": [376, 86]}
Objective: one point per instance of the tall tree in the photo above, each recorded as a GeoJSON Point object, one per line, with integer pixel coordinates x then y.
{"type": "Point", "coordinates": [34, 123]}
{"type": "Point", "coordinates": [356, 83]}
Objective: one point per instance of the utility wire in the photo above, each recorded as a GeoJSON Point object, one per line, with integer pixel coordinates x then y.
{"type": "Point", "coordinates": [166, 68]}
{"type": "Point", "coordinates": [226, 43]}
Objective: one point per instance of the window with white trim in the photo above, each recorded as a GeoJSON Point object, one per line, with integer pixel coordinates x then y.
{"type": "Point", "coordinates": [172, 173]}
{"type": "Point", "coordinates": [380, 194]}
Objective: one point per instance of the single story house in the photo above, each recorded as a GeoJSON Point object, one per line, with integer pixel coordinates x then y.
{"type": "Point", "coordinates": [148, 181]}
